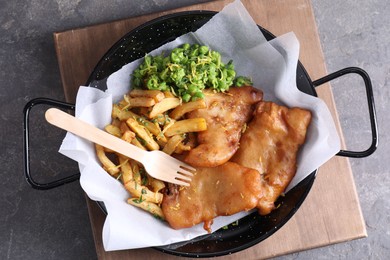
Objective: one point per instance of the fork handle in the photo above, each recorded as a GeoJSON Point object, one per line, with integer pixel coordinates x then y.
{"type": "Point", "coordinates": [91, 133]}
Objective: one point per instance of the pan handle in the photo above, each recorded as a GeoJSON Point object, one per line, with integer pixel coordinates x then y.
{"type": "Point", "coordinates": [371, 108]}
{"type": "Point", "coordinates": [26, 152]}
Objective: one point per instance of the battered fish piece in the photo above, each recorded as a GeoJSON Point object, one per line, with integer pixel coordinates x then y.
{"type": "Point", "coordinates": [226, 114]}
{"type": "Point", "coordinates": [270, 145]}
{"type": "Point", "coordinates": [220, 191]}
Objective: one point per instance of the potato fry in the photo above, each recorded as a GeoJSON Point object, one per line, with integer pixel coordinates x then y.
{"type": "Point", "coordinates": [138, 144]}
{"type": "Point", "coordinates": [186, 125]}
{"type": "Point", "coordinates": [155, 94]}
{"type": "Point", "coordinates": [123, 127]}
{"type": "Point", "coordinates": [168, 124]}
{"type": "Point", "coordinates": [124, 115]}
{"type": "Point", "coordinates": [122, 104]}
{"type": "Point", "coordinates": [142, 192]}
{"type": "Point", "coordinates": [138, 101]}
{"type": "Point", "coordinates": [135, 167]}
{"type": "Point", "coordinates": [121, 114]}
{"type": "Point", "coordinates": [172, 143]}
{"type": "Point", "coordinates": [180, 148]}
{"type": "Point", "coordinates": [155, 185]}
{"type": "Point", "coordinates": [114, 130]}
{"type": "Point", "coordinates": [150, 207]}
{"type": "Point", "coordinates": [179, 111]}
{"type": "Point", "coordinates": [108, 165]}
{"type": "Point", "coordinates": [190, 143]}
{"type": "Point", "coordinates": [108, 150]}
{"type": "Point", "coordinates": [128, 136]}
{"type": "Point", "coordinates": [116, 122]}
{"type": "Point", "coordinates": [163, 106]}
{"type": "Point", "coordinates": [154, 129]}
{"type": "Point", "coordinates": [125, 166]}
{"type": "Point", "coordinates": [141, 132]}
{"type": "Point", "coordinates": [162, 119]}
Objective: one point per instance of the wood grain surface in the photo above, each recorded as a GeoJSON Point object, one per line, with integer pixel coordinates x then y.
{"type": "Point", "coordinates": [330, 214]}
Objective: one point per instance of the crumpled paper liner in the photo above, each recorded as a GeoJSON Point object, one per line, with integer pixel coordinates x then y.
{"type": "Point", "coordinates": [272, 66]}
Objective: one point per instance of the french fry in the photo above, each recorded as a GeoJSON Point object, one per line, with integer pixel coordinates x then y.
{"type": "Point", "coordinates": [121, 114]}
{"type": "Point", "coordinates": [155, 94]}
{"type": "Point", "coordinates": [143, 111]}
{"type": "Point", "coordinates": [108, 165]}
{"type": "Point", "coordinates": [116, 122]}
{"type": "Point", "coordinates": [186, 125]}
{"type": "Point", "coordinates": [123, 127]}
{"type": "Point", "coordinates": [122, 104]}
{"type": "Point", "coordinates": [138, 144]}
{"type": "Point", "coordinates": [138, 101]}
{"type": "Point", "coordinates": [154, 129]}
{"type": "Point", "coordinates": [141, 132]}
{"type": "Point", "coordinates": [190, 143]}
{"type": "Point", "coordinates": [168, 124]}
{"type": "Point", "coordinates": [142, 192]}
{"type": "Point", "coordinates": [150, 207]}
{"type": "Point", "coordinates": [114, 130]}
{"type": "Point", "coordinates": [163, 106]}
{"type": "Point", "coordinates": [180, 148]}
{"type": "Point", "coordinates": [179, 111]}
{"type": "Point", "coordinates": [135, 167]}
{"type": "Point", "coordinates": [161, 119]}
{"type": "Point", "coordinates": [125, 166]}
{"type": "Point", "coordinates": [128, 136]}
{"type": "Point", "coordinates": [124, 115]}
{"type": "Point", "coordinates": [156, 185]}
{"type": "Point", "coordinates": [172, 143]}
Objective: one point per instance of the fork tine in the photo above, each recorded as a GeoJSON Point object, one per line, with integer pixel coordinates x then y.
{"type": "Point", "coordinates": [188, 168]}
{"type": "Point", "coordinates": [183, 177]}
{"type": "Point", "coordinates": [185, 172]}
{"type": "Point", "coordinates": [179, 182]}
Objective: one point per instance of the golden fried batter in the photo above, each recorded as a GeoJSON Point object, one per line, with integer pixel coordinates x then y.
{"type": "Point", "coordinates": [270, 145]}
{"type": "Point", "coordinates": [226, 114]}
{"type": "Point", "coordinates": [256, 176]}
{"type": "Point", "coordinates": [220, 191]}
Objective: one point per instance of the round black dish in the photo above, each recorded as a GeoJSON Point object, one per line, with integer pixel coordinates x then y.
{"type": "Point", "coordinates": [251, 229]}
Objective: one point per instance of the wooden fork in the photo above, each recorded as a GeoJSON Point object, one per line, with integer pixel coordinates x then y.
{"type": "Point", "coordinates": [157, 163]}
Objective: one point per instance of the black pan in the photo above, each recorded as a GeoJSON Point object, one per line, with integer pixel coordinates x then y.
{"type": "Point", "coordinates": [251, 229]}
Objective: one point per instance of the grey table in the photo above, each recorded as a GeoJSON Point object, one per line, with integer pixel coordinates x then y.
{"type": "Point", "coordinates": [54, 224]}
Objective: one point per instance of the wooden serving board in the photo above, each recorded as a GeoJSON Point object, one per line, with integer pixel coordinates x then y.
{"type": "Point", "coordinates": [330, 214]}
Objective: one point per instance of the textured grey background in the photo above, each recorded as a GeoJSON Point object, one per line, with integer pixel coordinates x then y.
{"type": "Point", "coordinates": [55, 225]}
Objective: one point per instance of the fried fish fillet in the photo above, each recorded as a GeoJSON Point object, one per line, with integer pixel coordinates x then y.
{"type": "Point", "coordinates": [270, 145]}
{"type": "Point", "coordinates": [219, 191]}
{"type": "Point", "coordinates": [226, 114]}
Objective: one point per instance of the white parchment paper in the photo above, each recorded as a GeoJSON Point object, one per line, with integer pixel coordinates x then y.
{"type": "Point", "coordinates": [272, 66]}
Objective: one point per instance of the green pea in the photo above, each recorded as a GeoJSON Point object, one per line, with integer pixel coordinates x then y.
{"type": "Point", "coordinates": [186, 46]}
{"type": "Point", "coordinates": [174, 57]}
{"type": "Point", "coordinates": [186, 97]}
{"type": "Point", "coordinates": [163, 86]}
{"type": "Point", "coordinates": [203, 49]}
{"type": "Point", "coordinates": [199, 94]}
{"type": "Point", "coordinates": [231, 73]}
{"type": "Point", "coordinates": [192, 88]}
{"type": "Point", "coordinates": [152, 82]}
